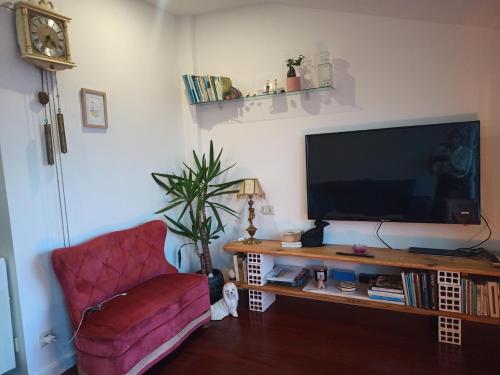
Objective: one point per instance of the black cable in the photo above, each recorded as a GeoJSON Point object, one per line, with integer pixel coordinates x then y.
{"type": "Point", "coordinates": [475, 249]}
{"type": "Point", "coordinates": [380, 238]}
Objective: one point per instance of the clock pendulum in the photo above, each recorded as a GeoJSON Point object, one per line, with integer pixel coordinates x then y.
{"type": "Point", "coordinates": [63, 145]}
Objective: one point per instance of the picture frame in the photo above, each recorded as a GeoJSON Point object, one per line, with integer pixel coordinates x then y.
{"type": "Point", "coordinates": [94, 109]}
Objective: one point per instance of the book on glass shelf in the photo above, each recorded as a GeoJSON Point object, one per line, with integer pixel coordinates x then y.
{"type": "Point", "coordinates": [189, 90]}
{"type": "Point", "coordinates": [204, 89]}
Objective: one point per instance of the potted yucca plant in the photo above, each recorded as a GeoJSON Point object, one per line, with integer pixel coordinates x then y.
{"type": "Point", "coordinates": [195, 193]}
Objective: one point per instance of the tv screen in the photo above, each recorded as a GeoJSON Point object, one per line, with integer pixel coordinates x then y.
{"type": "Point", "coordinates": [420, 174]}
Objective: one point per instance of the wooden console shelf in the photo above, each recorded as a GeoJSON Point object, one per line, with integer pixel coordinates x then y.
{"type": "Point", "coordinates": [382, 257]}
{"type": "Point", "coordinates": [299, 293]}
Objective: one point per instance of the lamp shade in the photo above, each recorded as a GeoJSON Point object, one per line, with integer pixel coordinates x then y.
{"type": "Point", "coordinates": [251, 186]}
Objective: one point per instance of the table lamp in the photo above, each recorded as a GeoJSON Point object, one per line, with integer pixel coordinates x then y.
{"type": "Point", "coordinates": [250, 187]}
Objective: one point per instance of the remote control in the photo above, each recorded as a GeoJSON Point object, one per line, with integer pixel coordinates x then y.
{"type": "Point", "coordinates": [355, 255]}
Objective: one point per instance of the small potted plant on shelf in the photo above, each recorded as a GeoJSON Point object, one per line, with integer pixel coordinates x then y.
{"type": "Point", "coordinates": [195, 192]}
{"type": "Point", "coordinates": [292, 81]}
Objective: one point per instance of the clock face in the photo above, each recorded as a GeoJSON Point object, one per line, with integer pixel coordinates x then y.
{"type": "Point", "coordinates": [47, 36]}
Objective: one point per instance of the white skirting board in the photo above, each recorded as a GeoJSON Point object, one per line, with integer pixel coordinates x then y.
{"type": "Point", "coordinates": [7, 354]}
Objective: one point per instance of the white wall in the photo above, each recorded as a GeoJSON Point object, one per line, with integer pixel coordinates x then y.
{"type": "Point", "coordinates": [388, 72]}
{"type": "Point", "coordinates": [127, 49]}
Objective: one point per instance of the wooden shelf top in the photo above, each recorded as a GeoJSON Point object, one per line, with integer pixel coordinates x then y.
{"type": "Point", "coordinates": [299, 293]}
{"type": "Point", "coordinates": [382, 257]}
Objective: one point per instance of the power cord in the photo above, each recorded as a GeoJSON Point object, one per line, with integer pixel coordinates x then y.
{"type": "Point", "coordinates": [471, 251]}
{"type": "Point", "coordinates": [380, 238]}
{"type": "Point", "coordinates": [98, 307]}
{"type": "Point", "coordinates": [476, 247]}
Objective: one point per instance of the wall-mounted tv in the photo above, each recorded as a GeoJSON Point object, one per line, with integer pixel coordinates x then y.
{"type": "Point", "coordinates": [418, 174]}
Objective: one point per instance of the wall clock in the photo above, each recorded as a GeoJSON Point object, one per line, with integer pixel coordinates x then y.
{"type": "Point", "coordinates": [43, 35]}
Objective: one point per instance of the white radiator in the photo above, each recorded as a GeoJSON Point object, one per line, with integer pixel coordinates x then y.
{"type": "Point", "coordinates": [7, 358]}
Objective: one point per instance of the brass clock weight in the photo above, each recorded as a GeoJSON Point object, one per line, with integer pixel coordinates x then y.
{"type": "Point", "coordinates": [49, 83]}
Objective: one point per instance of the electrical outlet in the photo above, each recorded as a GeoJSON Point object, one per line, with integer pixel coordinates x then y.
{"type": "Point", "coordinates": [267, 210]}
{"type": "Point", "coordinates": [46, 338]}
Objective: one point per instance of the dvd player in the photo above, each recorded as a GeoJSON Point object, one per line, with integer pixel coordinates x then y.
{"type": "Point", "coordinates": [444, 252]}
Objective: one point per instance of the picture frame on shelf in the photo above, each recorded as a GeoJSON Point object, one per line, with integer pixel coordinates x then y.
{"type": "Point", "coordinates": [94, 109]}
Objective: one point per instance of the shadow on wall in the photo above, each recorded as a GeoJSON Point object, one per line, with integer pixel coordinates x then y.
{"type": "Point", "coordinates": [344, 83]}
{"type": "Point", "coordinates": [291, 105]}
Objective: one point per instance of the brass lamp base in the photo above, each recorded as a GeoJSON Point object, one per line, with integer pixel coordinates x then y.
{"type": "Point", "coordinates": [251, 241]}
{"type": "Point", "coordinates": [251, 229]}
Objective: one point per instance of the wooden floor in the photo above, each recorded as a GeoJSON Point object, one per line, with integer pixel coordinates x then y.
{"type": "Point", "coordinates": [298, 336]}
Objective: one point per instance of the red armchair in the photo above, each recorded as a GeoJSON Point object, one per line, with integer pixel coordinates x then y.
{"type": "Point", "coordinates": [134, 331]}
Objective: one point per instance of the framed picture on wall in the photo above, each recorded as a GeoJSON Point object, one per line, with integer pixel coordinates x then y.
{"type": "Point", "coordinates": [94, 109]}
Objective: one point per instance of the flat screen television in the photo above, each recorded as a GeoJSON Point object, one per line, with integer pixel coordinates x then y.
{"type": "Point", "coordinates": [417, 174]}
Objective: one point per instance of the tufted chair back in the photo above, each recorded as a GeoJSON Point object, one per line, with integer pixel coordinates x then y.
{"type": "Point", "coordinates": [91, 272]}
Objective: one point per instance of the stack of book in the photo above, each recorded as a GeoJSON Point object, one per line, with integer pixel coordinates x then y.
{"type": "Point", "coordinates": [288, 275]}
{"type": "Point", "coordinates": [291, 239]}
{"type": "Point", "coordinates": [291, 245]}
{"type": "Point", "coordinates": [240, 267]}
{"type": "Point", "coordinates": [420, 289]}
{"type": "Point", "coordinates": [203, 89]}
{"type": "Point", "coordinates": [386, 288]}
{"type": "Point", "coordinates": [480, 297]}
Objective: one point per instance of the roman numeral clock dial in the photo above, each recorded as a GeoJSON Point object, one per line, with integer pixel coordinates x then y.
{"type": "Point", "coordinates": [43, 35]}
{"type": "Point", "coordinates": [47, 36]}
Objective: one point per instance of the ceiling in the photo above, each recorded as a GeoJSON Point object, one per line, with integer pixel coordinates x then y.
{"type": "Point", "coordinates": [485, 13]}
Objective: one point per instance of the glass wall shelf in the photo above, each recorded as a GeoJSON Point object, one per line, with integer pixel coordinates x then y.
{"type": "Point", "coordinates": [267, 96]}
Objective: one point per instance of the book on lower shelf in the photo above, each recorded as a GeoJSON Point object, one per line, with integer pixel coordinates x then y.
{"type": "Point", "coordinates": [240, 267]}
{"type": "Point", "coordinates": [394, 300]}
{"type": "Point", "coordinates": [387, 288]}
{"type": "Point", "coordinates": [420, 289]}
{"type": "Point", "coordinates": [294, 276]}
{"type": "Point", "coordinates": [480, 297]}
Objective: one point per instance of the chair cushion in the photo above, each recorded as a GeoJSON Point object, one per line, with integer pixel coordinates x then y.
{"type": "Point", "coordinates": [147, 306]}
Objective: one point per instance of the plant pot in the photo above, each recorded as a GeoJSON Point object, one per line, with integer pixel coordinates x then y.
{"type": "Point", "coordinates": [215, 285]}
{"type": "Point", "coordinates": [292, 83]}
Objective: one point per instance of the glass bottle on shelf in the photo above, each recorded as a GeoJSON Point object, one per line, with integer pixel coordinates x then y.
{"type": "Point", "coordinates": [325, 78]}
